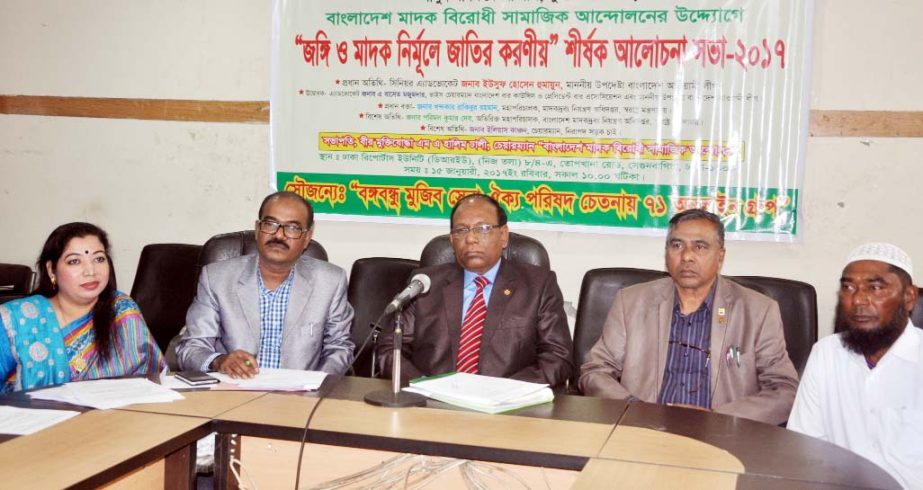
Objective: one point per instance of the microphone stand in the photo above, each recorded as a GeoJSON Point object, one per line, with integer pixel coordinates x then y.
{"type": "Point", "coordinates": [395, 397]}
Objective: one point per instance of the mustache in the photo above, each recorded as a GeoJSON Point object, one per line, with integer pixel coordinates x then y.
{"type": "Point", "coordinates": [277, 242]}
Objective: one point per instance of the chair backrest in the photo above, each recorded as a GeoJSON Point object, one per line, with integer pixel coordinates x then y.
{"type": "Point", "coordinates": [229, 245]}
{"type": "Point", "coordinates": [16, 281]}
{"type": "Point", "coordinates": [520, 248]}
{"type": "Point", "coordinates": [798, 306]}
{"type": "Point", "coordinates": [164, 287]}
{"type": "Point", "coordinates": [916, 316]}
{"type": "Point", "coordinates": [373, 282]}
{"type": "Point", "coordinates": [596, 295]}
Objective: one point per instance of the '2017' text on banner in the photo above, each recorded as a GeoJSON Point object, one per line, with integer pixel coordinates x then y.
{"type": "Point", "coordinates": [589, 115]}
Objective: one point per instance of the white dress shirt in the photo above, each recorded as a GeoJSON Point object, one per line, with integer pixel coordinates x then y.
{"type": "Point", "coordinates": [876, 413]}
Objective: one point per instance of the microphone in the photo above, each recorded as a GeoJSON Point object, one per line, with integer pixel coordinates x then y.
{"type": "Point", "coordinates": [419, 284]}
{"type": "Point", "coordinates": [394, 397]}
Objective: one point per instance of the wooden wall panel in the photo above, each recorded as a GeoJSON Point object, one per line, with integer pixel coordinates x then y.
{"type": "Point", "coordinates": [823, 123]}
{"type": "Point", "coordinates": [152, 109]}
{"type": "Point", "coordinates": [883, 124]}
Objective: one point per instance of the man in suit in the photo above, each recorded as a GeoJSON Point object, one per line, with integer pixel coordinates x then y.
{"type": "Point", "coordinates": [276, 309]}
{"type": "Point", "coordinates": [695, 339]}
{"type": "Point", "coordinates": [485, 315]}
{"type": "Point", "coordinates": [863, 388]}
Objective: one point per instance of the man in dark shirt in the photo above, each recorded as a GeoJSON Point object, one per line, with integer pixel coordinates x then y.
{"type": "Point", "coordinates": [483, 314]}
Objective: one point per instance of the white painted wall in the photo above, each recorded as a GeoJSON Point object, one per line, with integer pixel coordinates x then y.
{"type": "Point", "coordinates": [148, 182]}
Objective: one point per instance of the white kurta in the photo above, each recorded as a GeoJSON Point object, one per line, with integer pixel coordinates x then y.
{"type": "Point", "coordinates": [876, 413]}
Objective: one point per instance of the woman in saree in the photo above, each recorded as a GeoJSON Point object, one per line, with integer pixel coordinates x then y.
{"type": "Point", "coordinates": [78, 326]}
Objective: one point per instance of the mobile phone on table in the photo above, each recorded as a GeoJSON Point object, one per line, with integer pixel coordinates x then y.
{"type": "Point", "coordinates": [196, 378]}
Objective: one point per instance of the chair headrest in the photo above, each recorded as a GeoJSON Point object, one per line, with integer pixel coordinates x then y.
{"type": "Point", "coordinates": [229, 245]}
{"type": "Point", "coordinates": [520, 248]}
{"type": "Point", "coordinates": [19, 276]}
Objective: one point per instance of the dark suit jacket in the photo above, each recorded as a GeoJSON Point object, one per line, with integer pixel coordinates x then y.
{"type": "Point", "coordinates": [525, 333]}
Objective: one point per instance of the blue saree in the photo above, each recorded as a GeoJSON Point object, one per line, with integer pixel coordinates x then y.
{"type": "Point", "coordinates": [35, 351]}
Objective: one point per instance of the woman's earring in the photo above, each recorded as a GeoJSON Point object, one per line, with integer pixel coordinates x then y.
{"type": "Point", "coordinates": [54, 283]}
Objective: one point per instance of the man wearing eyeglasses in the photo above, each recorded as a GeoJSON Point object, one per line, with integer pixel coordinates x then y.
{"type": "Point", "coordinates": [276, 309]}
{"type": "Point", "coordinates": [694, 339]}
{"type": "Point", "coordinates": [483, 314]}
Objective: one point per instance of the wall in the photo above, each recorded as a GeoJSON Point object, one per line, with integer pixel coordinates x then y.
{"type": "Point", "coordinates": [156, 181]}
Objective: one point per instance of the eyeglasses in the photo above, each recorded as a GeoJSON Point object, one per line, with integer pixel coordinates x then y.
{"type": "Point", "coordinates": [700, 376]}
{"type": "Point", "coordinates": [290, 230]}
{"type": "Point", "coordinates": [707, 352]}
{"type": "Point", "coordinates": [462, 231]}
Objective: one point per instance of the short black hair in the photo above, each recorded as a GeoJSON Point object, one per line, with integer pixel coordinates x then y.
{"type": "Point", "coordinates": [289, 195]}
{"type": "Point", "coordinates": [501, 214]}
{"type": "Point", "coordinates": [695, 214]}
{"type": "Point", "coordinates": [902, 275]}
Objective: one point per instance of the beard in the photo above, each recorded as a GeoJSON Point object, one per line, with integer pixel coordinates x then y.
{"type": "Point", "coordinates": [869, 342]}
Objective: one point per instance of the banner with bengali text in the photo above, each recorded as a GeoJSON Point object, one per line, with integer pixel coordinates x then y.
{"type": "Point", "coordinates": [575, 115]}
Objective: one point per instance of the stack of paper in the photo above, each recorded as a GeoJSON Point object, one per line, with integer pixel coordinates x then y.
{"type": "Point", "coordinates": [108, 393]}
{"type": "Point", "coordinates": [482, 393]}
{"type": "Point", "coordinates": [24, 421]}
{"type": "Point", "coordinates": [270, 379]}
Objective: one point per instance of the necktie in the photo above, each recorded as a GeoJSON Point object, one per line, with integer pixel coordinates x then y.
{"type": "Point", "coordinates": [469, 345]}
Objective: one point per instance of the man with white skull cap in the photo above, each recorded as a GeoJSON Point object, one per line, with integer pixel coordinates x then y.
{"type": "Point", "coordinates": [862, 389]}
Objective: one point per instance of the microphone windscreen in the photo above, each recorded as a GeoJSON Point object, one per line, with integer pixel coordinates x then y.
{"type": "Point", "coordinates": [424, 280]}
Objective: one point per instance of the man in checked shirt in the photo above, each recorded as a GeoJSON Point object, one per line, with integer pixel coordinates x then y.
{"type": "Point", "coordinates": [274, 309]}
{"type": "Point", "coordinates": [694, 339]}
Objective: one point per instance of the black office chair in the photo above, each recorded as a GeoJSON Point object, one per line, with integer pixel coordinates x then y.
{"type": "Point", "coordinates": [521, 248]}
{"type": "Point", "coordinates": [15, 281]}
{"type": "Point", "coordinates": [916, 316]}
{"type": "Point", "coordinates": [373, 282]}
{"type": "Point", "coordinates": [164, 287]}
{"type": "Point", "coordinates": [798, 306]}
{"type": "Point", "coordinates": [596, 295]}
{"type": "Point", "coordinates": [229, 245]}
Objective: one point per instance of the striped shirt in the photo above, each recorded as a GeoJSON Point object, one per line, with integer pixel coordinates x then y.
{"type": "Point", "coordinates": [686, 374]}
{"type": "Point", "coordinates": [273, 305]}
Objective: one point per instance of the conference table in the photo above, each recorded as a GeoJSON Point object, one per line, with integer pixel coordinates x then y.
{"type": "Point", "coordinates": [574, 442]}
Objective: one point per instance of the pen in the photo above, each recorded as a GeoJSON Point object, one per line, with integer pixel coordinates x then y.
{"type": "Point", "coordinates": [732, 355]}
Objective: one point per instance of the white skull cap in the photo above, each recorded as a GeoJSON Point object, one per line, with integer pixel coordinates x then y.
{"type": "Point", "coordinates": [883, 252]}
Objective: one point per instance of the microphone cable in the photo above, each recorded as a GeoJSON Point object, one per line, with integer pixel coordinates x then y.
{"type": "Point", "coordinates": [374, 328]}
